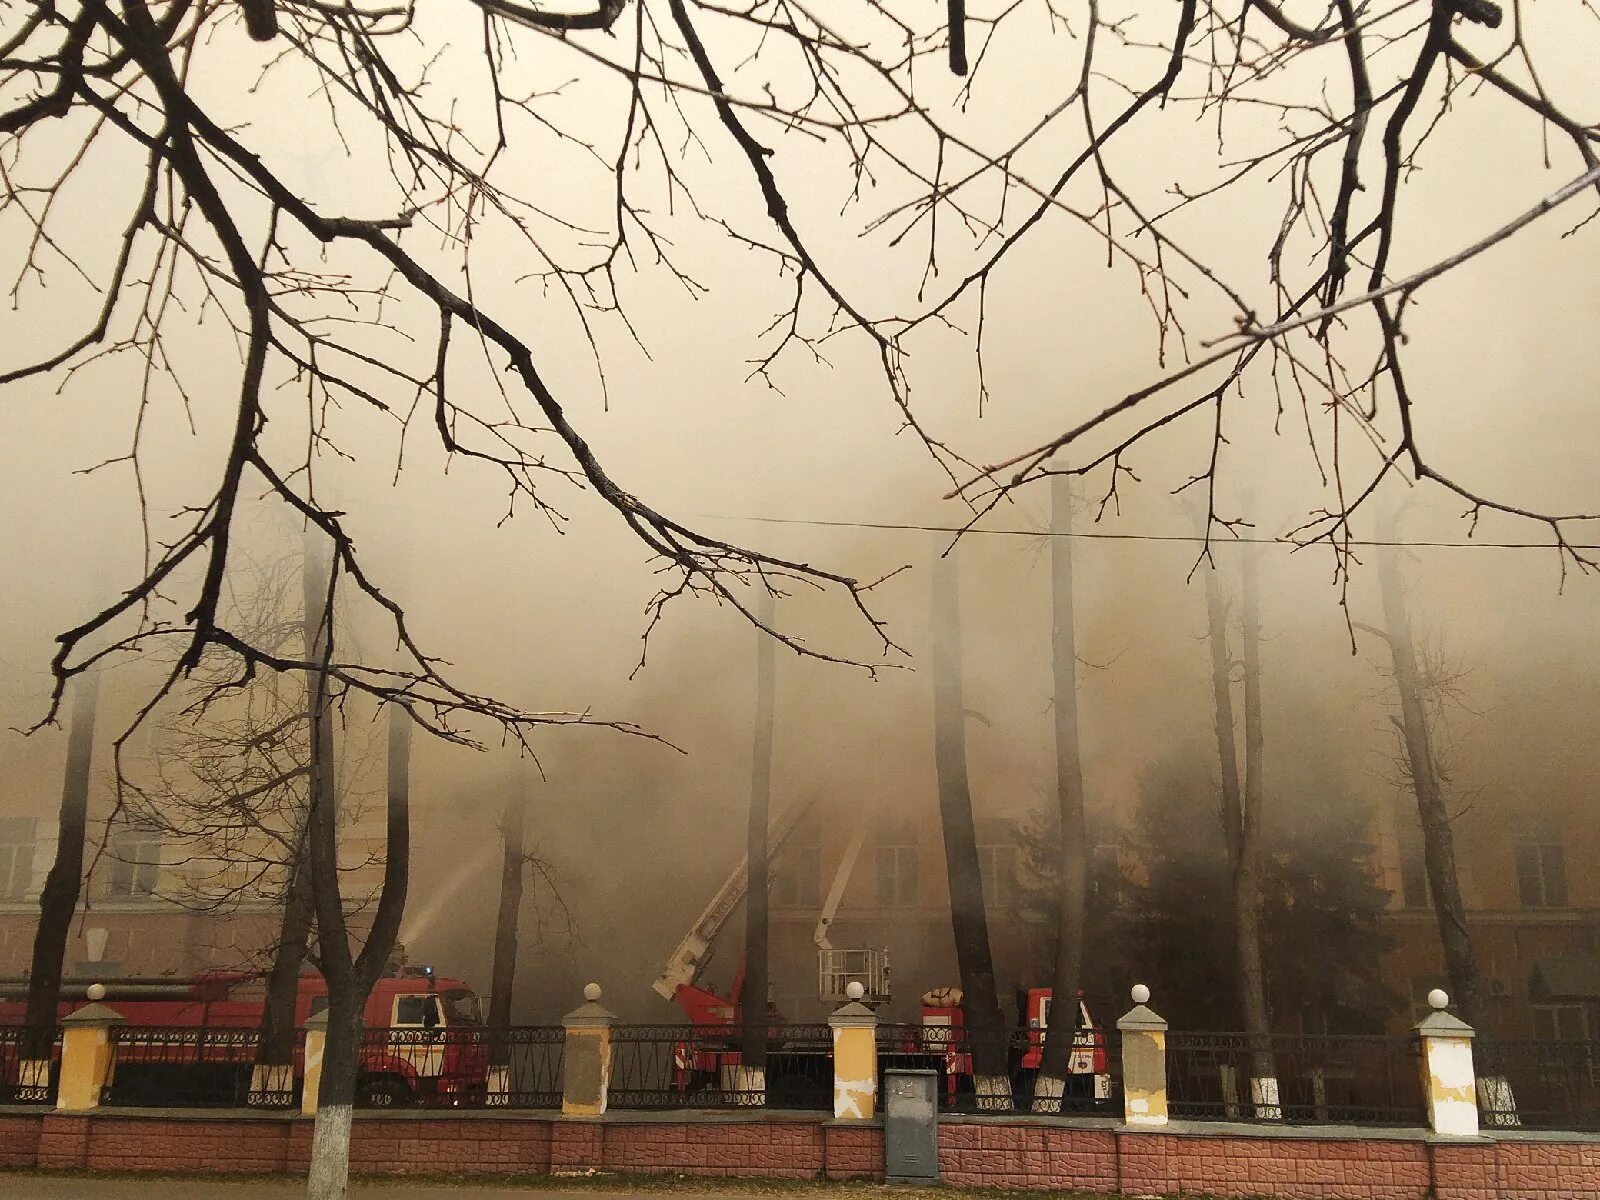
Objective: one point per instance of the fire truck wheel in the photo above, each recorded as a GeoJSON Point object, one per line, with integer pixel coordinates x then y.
{"type": "Point", "coordinates": [384, 1091]}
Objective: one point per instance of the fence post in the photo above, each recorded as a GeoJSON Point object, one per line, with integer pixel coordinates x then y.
{"type": "Point", "coordinates": [855, 1057]}
{"type": "Point", "coordinates": [1447, 1074]}
{"type": "Point", "coordinates": [316, 1031]}
{"type": "Point", "coordinates": [1144, 1062]}
{"type": "Point", "coordinates": [586, 1070]}
{"type": "Point", "coordinates": [86, 1062]}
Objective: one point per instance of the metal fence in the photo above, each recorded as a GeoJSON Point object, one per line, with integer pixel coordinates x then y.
{"type": "Point", "coordinates": [998, 1072]}
{"type": "Point", "coordinates": [437, 1068]}
{"type": "Point", "coordinates": [32, 1080]}
{"type": "Point", "coordinates": [195, 1067]}
{"type": "Point", "coordinates": [516, 1067]}
{"type": "Point", "coordinates": [1538, 1084]}
{"type": "Point", "coordinates": [689, 1066]}
{"type": "Point", "coordinates": [526, 1070]}
{"type": "Point", "coordinates": [1321, 1079]}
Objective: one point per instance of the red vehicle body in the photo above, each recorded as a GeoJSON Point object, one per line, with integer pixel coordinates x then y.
{"type": "Point", "coordinates": [942, 1025]}
{"type": "Point", "coordinates": [423, 1042]}
{"type": "Point", "coordinates": [717, 1023]}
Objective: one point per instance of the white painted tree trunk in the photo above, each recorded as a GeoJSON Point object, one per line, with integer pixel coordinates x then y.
{"type": "Point", "coordinates": [330, 1153]}
{"type": "Point", "coordinates": [1264, 1096]}
{"type": "Point", "coordinates": [1497, 1106]}
{"type": "Point", "coordinates": [748, 1085]}
{"type": "Point", "coordinates": [1047, 1093]}
{"type": "Point", "coordinates": [993, 1093]}
{"type": "Point", "coordinates": [1229, 1077]}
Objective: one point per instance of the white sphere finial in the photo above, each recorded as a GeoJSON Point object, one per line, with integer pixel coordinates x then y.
{"type": "Point", "coordinates": [96, 991]}
{"type": "Point", "coordinates": [854, 990]}
{"type": "Point", "coordinates": [1140, 993]}
{"type": "Point", "coordinates": [1438, 999]}
{"type": "Point", "coordinates": [591, 992]}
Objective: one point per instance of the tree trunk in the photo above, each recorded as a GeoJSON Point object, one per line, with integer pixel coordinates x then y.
{"type": "Point", "coordinates": [1247, 871]}
{"type": "Point", "coordinates": [59, 899]}
{"type": "Point", "coordinates": [513, 866]}
{"type": "Point", "coordinates": [1073, 866]}
{"type": "Point", "coordinates": [753, 1001]}
{"type": "Point", "coordinates": [329, 1174]}
{"type": "Point", "coordinates": [275, 1051]}
{"type": "Point", "coordinates": [980, 1000]}
{"type": "Point", "coordinates": [276, 1047]}
{"type": "Point", "coordinates": [350, 976]}
{"type": "Point", "coordinates": [1438, 840]}
{"type": "Point", "coordinates": [1241, 827]}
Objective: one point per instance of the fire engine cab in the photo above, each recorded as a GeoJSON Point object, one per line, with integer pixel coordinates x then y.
{"type": "Point", "coordinates": [423, 1043]}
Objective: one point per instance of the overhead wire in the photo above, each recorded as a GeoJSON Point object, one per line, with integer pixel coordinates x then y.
{"type": "Point", "coordinates": [1107, 535]}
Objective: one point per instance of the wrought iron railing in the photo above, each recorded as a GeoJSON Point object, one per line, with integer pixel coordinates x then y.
{"type": "Point", "coordinates": [31, 1079]}
{"type": "Point", "coordinates": [1319, 1079]}
{"type": "Point", "coordinates": [1538, 1084]}
{"type": "Point", "coordinates": [999, 1072]}
{"type": "Point", "coordinates": [700, 1066]}
{"type": "Point", "coordinates": [474, 1067]}
{"type": "Point", "coordinates": [195, 1067]}
{"type": "Point", "coordinates": [526, 1065]}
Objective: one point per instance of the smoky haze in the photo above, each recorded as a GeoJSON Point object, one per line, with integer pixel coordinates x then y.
{"type": "Point", "coordinates": [548, 612]}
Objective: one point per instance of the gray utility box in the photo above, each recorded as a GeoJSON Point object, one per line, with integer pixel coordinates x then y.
{"type": "Point", "coordinates": [910, 1126]}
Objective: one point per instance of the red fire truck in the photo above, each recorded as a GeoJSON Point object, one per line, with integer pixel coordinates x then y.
{"type": "Point", "coordinates": [943, 1021]}
{"type": "Point", "coordinates": [937, 1044]}
{"type": "Point", "coordinates": [424, 1040]}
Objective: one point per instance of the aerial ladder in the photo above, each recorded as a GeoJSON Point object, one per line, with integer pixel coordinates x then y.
{"type": "Point", "coordinates": [838, 969]}
{"type": "Point", "coordinates": [679, 980]}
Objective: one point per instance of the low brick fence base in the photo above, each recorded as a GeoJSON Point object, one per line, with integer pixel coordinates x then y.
{"type": "Point", "coordinates": [1014, 1152]}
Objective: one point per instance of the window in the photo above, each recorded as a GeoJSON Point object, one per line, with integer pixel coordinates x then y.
{"type": "Point", "coordinates": [16, 857]}
{"type": "Point", "coordinates": [1560, 1023]}
{"type": "Point", "coordinates": [1414, 890]}
{"type": "Point", "coordinates": [134, 855]}
{"type": "Point", "coordinates": [896, 862]}
{"type": "Point", "coordinates": [796, 881]}
{"type": "Point", "coordinates": [419, 1011]}
{"type": "Point", "coordinates": [461, 1007]}
{"type": "Point", "coordinates": [997, 862]}
{"type": "Point", "coordinates": [1542, 876]}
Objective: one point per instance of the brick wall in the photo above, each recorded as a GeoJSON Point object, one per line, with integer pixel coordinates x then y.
{"type": "Point", "coordinates": [1354, 1169]}
{"type": "Point", "coordinates": [1029, 1156]}
{"type": "Point", "coordinates": [1009, 1153]}
{"type": "Point", "coordinates": [19, 1139]}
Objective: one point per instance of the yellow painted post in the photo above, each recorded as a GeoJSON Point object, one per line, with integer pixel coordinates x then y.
{"type": "Point", "coordinates": [86, 1060]}
{"type": "Point", "coordinates": [1447, 1073]}
{"type": "Point", "coordinates": [586, 1065]}
{"type": "Point", "coordinates": [316, 1030]}
{"type": "Point", "coordinates": [855, 1058]}
{"type": "Point", "coordinates": [1144, 1062]}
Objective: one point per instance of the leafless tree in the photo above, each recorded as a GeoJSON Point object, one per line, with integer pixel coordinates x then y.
{"type": "Point", "coordinates": [513, 871]}
{"type": "Point", "coordinates": [58, 900]}
{"type": "Point", "coordinates": [521, 864]}
{"type": "Point", "coordinates": [350, 969]}
{"type": "Point", "coordinates": [1241, 811]}
{"type": "Point", "coordinates": [1421, 686]}
{"type": "Point", "coordinates": [969, 917]}
{"type": "Point", "coordinates": [387, 311]}
{"type": "Point", "coordinates": [758, 865]}
{"type": "Point", "coordinates": [1072, 883]}
{"type": "Point", "coordinates": [235, 773]}
{"type": "Point", "coordinates": [1354, 92]}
